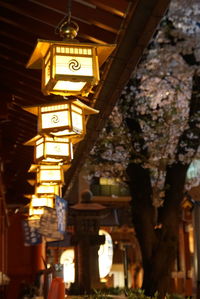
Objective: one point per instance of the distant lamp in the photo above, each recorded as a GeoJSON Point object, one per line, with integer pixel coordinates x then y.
{"type": "Point", "coordinates": [51, 149]}
{"type": "Point", "coordinates": [65, 118]}
{"type": "Point", "coordinates": [105, 254]}
{"type": "Point", "coordinates": [69, 67]}
{"type": "Point", "coordinates": [107, 181]}
{"type": "Point", "coordinates": [48, 174]}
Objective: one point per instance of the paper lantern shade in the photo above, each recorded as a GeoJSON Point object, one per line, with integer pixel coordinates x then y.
{"type": "Point", "coordinates": [48, 174]}
{"type": "Point", "coordinates": [51, 149]}
{"type": "Point", "coordinates": [69, 68]}
{"type": "Point", "coordinates": [65, 118]}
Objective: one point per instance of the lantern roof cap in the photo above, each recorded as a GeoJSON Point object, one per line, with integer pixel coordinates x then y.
{"type": "Point", "coordinates": [89, 207]}
{"type": "Point", "coordinates": [87, 109]}
{"type": "Point", "coordinates": [42, 46]}
{"type": "Point", "coordinates": [30, 196]}
{"type": "Point", "coordinates": [32, 182]}
{"type": "Point", "coordinates": [35, 167]}
{"type": "Point", "coordinates": [33, 140]}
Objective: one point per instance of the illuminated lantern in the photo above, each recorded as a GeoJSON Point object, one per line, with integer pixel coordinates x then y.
{"type": "Point", "coordinates": [65, 118]}
{"type": "Point", "coordinates": [67, 260]}
{"type": "Point", "coordinates": [48, 174]}
{"type": "Point", "coordinates": [51, 149]}
{"type": "Point", "coordinates": [68, 67]}
{"type": "Point", "coordinates": [42, 201]}
{"type": "Point", "coordinates": [37, 204]}
{"type": "Point", "coordinates": [47, 189]}
{"type": "Point", "coordinates": [105, 259]}
{"type": "Point", "coordinates": [105, 254]}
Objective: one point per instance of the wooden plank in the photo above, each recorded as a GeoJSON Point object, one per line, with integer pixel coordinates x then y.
{"type": "Point", "coordinates": [46, 31]}
{"type": "Point", "coordinates": [116, 7]}
{"type": "Point", "coordinates": [88, 14]}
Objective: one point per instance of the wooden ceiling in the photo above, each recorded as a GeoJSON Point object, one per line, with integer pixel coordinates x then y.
{"type": "Point", "coordinates": [128, 24]}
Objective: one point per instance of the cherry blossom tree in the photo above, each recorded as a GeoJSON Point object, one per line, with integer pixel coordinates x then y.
{"type": "Point", "coordinates": [152, 136]}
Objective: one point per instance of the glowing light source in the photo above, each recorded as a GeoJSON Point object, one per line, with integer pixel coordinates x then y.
{"type": "Point", "coordinates": [48, 189]}
{"type": "Point", "coordinates": [65, 118]}
{"type": "Point", "coordinates": [51, 149]}
{"type": "Point", "coordinates": [67, 260]}
{"type": "Point", "coordinates": [68, 67]}
{"type": "Point", "coordinates": [46, 201]}
{"type": "Point", "coordinates": [48, 174]}
{"type": "Point", "coordinates": [37, 205]}
{"type": "Point", "coordinates": [105, 254]}
{"type": "Point", "coordinates": [105, 259]}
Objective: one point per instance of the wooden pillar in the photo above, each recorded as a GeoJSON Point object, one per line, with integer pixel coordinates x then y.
{"type": "Point", "coordinates": [24, 262]}
{"type": "Point", "coordinates": [3, 241]}
{"type": "Point", "coordinates": [39, 254]}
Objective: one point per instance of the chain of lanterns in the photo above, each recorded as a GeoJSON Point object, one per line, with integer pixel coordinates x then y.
{"type": "Point", "coordinates": [69, 68]}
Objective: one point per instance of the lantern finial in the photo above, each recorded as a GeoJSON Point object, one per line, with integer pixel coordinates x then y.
{"type": "Point", "coordinates": [68, 29]}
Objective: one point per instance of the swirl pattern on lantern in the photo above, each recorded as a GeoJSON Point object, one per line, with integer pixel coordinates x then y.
{"type": "Point", "coordinates": [55, 119]}
{"type": "Point", "coordinates": [74, 65]}
{"type": "Point", "coordinates": [57, 148]}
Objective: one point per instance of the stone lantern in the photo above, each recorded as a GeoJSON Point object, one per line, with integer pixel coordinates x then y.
{"type": "Point", "coordinates": [86, 217]}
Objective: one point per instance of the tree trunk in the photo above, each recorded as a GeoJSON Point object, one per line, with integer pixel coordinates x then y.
{"type": "Point", "coordinates": [158, 244]}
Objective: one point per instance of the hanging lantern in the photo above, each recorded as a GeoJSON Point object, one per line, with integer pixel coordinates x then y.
{"type": "Point", "coordinates": [48, 189]}
{"type": "Point", "coordinates": [37, 204]}
{"type": "Point", "coordinates": [62, 119]}
{"type": "Point", "coordinates": [48, 174]}
{"type": "Point", "coordinates": [42, 201]}
{"type": "Point", "coordinates": [68, 67]}
{"type": "Point", "coordinates": [51, 149]}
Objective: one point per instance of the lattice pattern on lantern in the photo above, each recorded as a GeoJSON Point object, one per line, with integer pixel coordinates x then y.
{"type": "Point", "coordinates": [62, 119]}
{"type": "Point", "coordinates": [51, 149]}
{"type": "Point", "coordinates": [69, 68]}
{"type": "Point", "coordinates": [48, 174]}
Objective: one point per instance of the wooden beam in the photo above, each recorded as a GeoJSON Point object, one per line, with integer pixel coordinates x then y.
{"type": "Point", "coordinates": [17, 69]}
{"type": "Point", "coordinates": [31, 25]}
{"type": "Point", "coordinates": [17, 35]}
{"type": "Point", "coordinates": [80, 12]}
{"type": "Point", "coordinates": [116, 7]}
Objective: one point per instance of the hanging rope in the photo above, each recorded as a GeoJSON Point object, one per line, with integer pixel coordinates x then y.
{"type": "Point", "coordinates": [69, 6]}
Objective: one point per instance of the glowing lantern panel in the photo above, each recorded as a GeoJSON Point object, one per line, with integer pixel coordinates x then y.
{"type": "Point", "coordinates": [37, 204]}
{"type": "Point", "coordinates": [53, 150]}
{"type": "Point", "coordinates": [48, 174]}
{"type": "Point", "coordinates": [48, 189]}
{"type": "Point", "coordinates": [69, 68]}
{"type": "Point", "coordinates": [42, 201]}
{"type": "Point", "coordinates": [62, 119]}
{"type": "Point", "coordinates": [67, 117]}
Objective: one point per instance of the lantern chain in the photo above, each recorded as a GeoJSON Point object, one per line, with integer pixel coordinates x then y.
{"type": "Point", "coordinates": [69, 6]}
{"type": "Point", "coordinates": [66, 18]}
